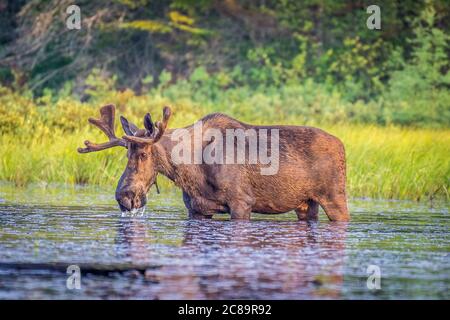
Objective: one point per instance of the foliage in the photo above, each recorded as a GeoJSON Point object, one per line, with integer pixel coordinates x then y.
{"type": "Point", "coordinates": [419, 93]}
{"type": "Point", "coordinates": [316, 58]}
{"type": "Point", "coordinates": [38, 140]}
{"type": "Point", "coordinates": [385, 92]}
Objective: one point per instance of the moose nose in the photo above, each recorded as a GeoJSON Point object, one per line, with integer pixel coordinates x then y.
{"type": "Point", "coordinates": [129, 200]}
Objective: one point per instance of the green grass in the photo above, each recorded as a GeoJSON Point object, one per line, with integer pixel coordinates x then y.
{"type": "Point", "coordinates": [396, 163]}
{"type": "Point", "coordinates": [382, 162]}
{"type": "Point", "coordinates": [39, 138]}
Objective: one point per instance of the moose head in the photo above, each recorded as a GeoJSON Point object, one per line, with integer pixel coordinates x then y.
{"type": "Point", "coordinates": [140, 173]}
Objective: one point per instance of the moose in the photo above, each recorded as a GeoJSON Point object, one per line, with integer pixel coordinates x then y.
{"type": "Point", "coordinates": [311, 169]}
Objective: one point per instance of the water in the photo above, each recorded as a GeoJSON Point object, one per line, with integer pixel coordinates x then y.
{"type": "Point", "coordinates": [163, 255]}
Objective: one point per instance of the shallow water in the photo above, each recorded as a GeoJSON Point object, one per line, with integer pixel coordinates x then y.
{"type": "Point", "coordinates": [163, 255]}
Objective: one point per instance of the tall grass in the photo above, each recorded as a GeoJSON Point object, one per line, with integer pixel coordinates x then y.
{"type": "Point", "coordinates": [382, 162]}
{"type": "Point", "coordinates": [39, 138]}
{"type": "Point", "coordinates": [396, 162]}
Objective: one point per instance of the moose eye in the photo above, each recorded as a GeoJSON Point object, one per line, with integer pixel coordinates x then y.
{"type": "Point", "coordinates": [143, 156]}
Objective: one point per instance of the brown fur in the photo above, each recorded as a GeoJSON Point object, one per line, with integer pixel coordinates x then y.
{"type": "Point", "coordinates": [311, 171]}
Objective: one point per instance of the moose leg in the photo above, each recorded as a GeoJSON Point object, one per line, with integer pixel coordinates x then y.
{"type": "Point", "coordinates": [191, 212]}
{"type": "Point", "coordinates": [187, 201]}
{"type": "Point", "coordinates": [240, 206]}
{"type": "Point", "coordinates": [201, 208]}
{"type": "Point", "coordinates": [240, 214]}
{"type": "Point", "coordinates": [240, 210]}
{"type": "Point", "coordinates": [336, 207]}
{"type": "Point", "coordinates": [199, 216]}
{"type": "Point", "coordinates": [308, 210]}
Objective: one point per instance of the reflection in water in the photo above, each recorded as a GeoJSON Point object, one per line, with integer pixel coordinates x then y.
{"type": "Point", "coordinates": [131, 241]}
{"type": "Point", "coordinates": [162, 255]}
{"type": "Point", "coordinates": [243, 259]}
{"type": "Point", "coordinates": [268, 259]}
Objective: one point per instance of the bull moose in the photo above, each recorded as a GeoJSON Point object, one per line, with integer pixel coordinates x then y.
{"type": "Point", "coordinates": [311, 169]}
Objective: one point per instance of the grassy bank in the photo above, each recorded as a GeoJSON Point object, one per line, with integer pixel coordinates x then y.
{"type": "Point", "coordinates": [396, 162]}
{"type": "Point", "coordinates": [385, 94]}
{"type": "Point", "coordinates": [383, 162]}
{"type": "Point", "coordinates": [39, 138]}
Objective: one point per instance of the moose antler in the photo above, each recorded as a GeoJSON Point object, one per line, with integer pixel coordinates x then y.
{"type": "Point", "coordinates": [106, 124]}
{"type": "Point", "coordinates": [156, 134]}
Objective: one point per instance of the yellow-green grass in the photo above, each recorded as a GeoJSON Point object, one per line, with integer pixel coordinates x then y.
{"type": "Point", "coordinates": [382, 162]}
{"type": "Point", "coordinates": [396, 163]}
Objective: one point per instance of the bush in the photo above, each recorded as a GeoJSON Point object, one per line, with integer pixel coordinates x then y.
{"type": "Point", "coordinates": [419, 93]}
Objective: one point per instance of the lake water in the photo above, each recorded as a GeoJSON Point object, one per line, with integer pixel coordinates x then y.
{"type": "Point", "coordinates": [163, 255]}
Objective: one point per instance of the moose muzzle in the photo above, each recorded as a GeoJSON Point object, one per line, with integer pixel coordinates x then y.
{"type": "Point", "coordinates": [129, 200]}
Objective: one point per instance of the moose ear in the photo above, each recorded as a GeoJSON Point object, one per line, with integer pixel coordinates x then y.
{"type": "Point", "coordinates": [166, 114]}
{"type": "Point", "coordinates": [129, 128]}
{"type": "Point", "coordinates": [148, 124]}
